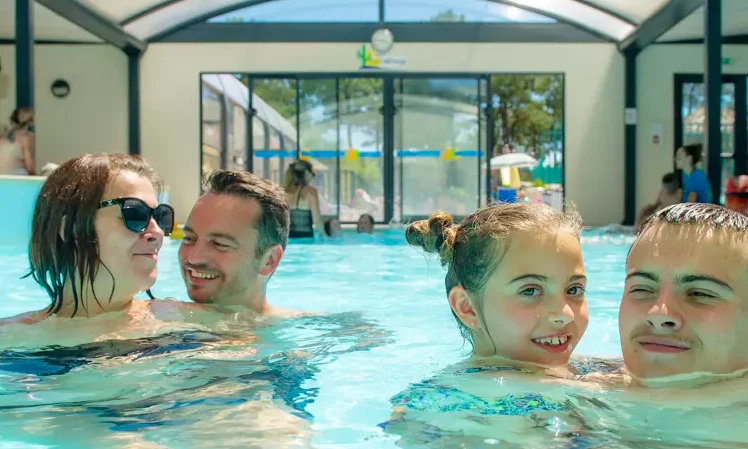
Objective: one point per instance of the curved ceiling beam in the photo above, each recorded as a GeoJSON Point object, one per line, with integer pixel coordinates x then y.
{"type": "Point", "coordinates": [95, 24]}
{"type": "Point", "coordinates": [665, 18]}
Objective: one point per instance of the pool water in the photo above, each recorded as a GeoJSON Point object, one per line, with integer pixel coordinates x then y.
{"type": "Point", "coordinates": [321, 381]}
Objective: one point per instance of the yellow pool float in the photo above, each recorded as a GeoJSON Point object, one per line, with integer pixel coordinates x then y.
{"type": "Point", "coordinates": [176, 232]}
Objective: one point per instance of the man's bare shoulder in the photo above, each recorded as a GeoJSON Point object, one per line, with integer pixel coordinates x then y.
{"type": "Point", "coordinates": [280, 312]}
{"type": "Point", "coordinates": [24, 318]}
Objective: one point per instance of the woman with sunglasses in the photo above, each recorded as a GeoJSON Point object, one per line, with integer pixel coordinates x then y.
{"type": "Point", "coordinates": [95, 237]}
{"type": "Point", "coordinates": [303, 199]}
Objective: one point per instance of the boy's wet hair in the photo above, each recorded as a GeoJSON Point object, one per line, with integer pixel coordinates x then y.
{"type": "Point", "coordinates": [709, 216]}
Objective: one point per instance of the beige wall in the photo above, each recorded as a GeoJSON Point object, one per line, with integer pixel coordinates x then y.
{"type": "Point", "coordinates": [655, 69]}
{"type": "Point", "coordinates": [594, 102]}
{"type": "Point", "coordinates": [92, 119]}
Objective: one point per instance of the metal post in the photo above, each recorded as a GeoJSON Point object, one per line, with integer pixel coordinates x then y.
{"type": "Point", "coordinates": [388, 147]}
{"type": "Point", "coordinates": [298, 117]}
{"type": "Point", "coordinates": [337, 143]}
{"type": "Point", "coordinates": [490, 129]}
{"type": "Point", "coordinates": [249, 152]}
{"type": "Point", "coordinates": [713, 94]}
{"type": "Point", "coordinates": [629, 164]}
{"type": "Point", "coordinates": [133, 102]}
{"type": "Point", "coordinates": [25, 53]}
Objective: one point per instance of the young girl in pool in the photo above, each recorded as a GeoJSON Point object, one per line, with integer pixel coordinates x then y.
{"type": "Point", "coordinates": [516, 285]}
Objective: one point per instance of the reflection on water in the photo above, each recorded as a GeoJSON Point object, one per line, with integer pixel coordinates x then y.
{"type": "Point", "coordinates": [178, 388]}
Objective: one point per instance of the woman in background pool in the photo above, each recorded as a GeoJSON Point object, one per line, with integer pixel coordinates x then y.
{"type": "Point", "coordinates": [95, 237]}
{"type": "Point", "coordinates": [516, 285]}
{"type": "Point", "coordinates": [696, 187]}
{"type": "Point", "coordinates": [303, 200]}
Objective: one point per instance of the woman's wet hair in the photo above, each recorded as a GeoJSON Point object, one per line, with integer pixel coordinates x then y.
{"type": "Point", "coordinates": [473, 249]}
{"type": "Point", "coordinates": [296, 175]}
{"type": "Point", "coordinates": [64, 245]}
{"type": "Point", "coordinates": [15, 116]}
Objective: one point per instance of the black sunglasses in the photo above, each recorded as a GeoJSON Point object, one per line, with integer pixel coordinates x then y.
{"type": "Point", "coordinates": [136, 214]}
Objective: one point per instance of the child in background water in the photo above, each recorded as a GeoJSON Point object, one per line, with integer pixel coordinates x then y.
{"type": "Point", "coordinates": [516, 284]}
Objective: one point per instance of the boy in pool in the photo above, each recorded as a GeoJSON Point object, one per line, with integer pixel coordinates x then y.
{"type": "Point", "coordinates": [516, 285]}
{"type": "Point", "coordinates": [685, 305]}
{"type": "Point", "coordinates": [683, 324]}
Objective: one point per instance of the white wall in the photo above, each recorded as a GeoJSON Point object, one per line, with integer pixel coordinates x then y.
{"type": "Point", "coordinates": [656, 67]}
{"type": "Point", "coordinates": [92, 119]}
{"type": "Point", "coordinates": [593, 114]}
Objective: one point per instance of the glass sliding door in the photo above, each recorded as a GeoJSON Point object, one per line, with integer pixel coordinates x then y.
{"type": "Point", "coordinates": [394, 146]}
{"type": "Point", "coordinates": [362, 140]}
{"type": "Point", "coordinates": [437, 146]}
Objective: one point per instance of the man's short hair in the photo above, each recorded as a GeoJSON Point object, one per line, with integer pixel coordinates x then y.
{"type": "Point", "coordinates": [272, 226]}
{"type": "Point", "coordinates": [710, 216]}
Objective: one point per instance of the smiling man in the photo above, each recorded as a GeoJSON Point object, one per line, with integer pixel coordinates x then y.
{"type": "Point", "coordinates": [685, 302]}
{"type": "Point", "coordinates": [234, 239]}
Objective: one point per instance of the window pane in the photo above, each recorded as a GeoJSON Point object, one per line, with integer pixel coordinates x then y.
{"type": "Point", "coordinates": [318, 125]}
{"type": "Point", "coordinates": [694, 112]}
{"type": "Point", "coordinates": [462, 11]}
{"type": "Point", "coordinates": [527, 115]}
{"type": "Point", "coordinates": [274, 100]}
{"type": "Point", "coordinates": [437, 146]}
{"type": "Point", "coordinates": [238, 138]}
{"type": "Point", "coordinates": [362, 142]}
{"type": "Point", "coordinates": [306, 11]}
{"type": "Point", "coordinates": [259, 136]}
{"type": "Point", "coordinates": [212, 126]}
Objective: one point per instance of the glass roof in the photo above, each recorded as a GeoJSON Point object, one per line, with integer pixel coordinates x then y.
{"type": "Point", "coordinates": [470, 11]}
{"type": "Point", "coordinates": [147, 19]}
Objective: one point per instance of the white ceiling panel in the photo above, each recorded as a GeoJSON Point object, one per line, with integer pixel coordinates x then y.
{"type": "Point", "coordinates": [635, 10]}
{"type": "Point", "coordinates": [119, 10]}
{"type": "Point", "coordinates": [734, 22]}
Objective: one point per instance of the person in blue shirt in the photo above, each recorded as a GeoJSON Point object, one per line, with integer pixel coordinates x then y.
{"type": "Point", "coordinates": [696, 187]}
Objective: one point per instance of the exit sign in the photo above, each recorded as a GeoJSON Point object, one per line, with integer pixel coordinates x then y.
{"type": "Point", "coordinates": [726, 61]}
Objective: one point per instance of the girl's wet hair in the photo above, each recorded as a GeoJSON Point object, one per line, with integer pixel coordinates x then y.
{"type": "Point", "coordinates": [473, 249]}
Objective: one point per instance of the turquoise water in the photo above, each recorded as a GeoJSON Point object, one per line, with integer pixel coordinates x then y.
{"type": "Point", "coordinates": [321, 381]}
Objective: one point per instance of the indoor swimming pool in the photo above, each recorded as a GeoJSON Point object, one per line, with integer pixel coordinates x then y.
{"type": "Point", "coordinates": [381, 324]}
